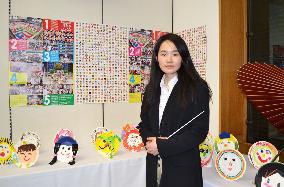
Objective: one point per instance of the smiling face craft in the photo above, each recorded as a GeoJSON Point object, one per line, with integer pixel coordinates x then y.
{"type": "Point", "coordinates": [7, 151]}
{"type": "Point", "coordinates": [65, 150]}
{"type": "Point", "coordinates": [107, 144]}
{"type": "Point", "coordinates": [225, 141]}
{"type": "Point", "coordinates": [270, 175]}
{"type": "Point", "coordinates": [206, 150]}
{"type": "Point", "coordinates": [230, 164]}
{"type": "Point", "coordinates": [260, 153]}
{"type": "Point", "coordinates": [131, 138]}
{"type": "Point", "coordinates": [30, 138]}
{"type": "Point", "coordinates": [27, 155]}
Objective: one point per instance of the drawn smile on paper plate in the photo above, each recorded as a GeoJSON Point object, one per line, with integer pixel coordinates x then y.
{"type": "Point", "coordinates": [64, 153]}
{"type": "Point", "coordinates": [264, 155]}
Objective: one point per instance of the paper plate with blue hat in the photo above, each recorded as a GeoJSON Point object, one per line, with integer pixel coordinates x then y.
{"type": "Point", "coordinates": [225, 141]}
{"type": "Point", "coordinates": [65, 150]}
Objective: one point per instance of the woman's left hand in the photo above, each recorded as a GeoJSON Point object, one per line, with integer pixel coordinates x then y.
{"type": "Point", "coordinates": [151, 146]}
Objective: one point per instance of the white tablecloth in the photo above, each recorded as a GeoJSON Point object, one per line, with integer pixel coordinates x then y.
{"type": "Point", "coordinates": [212, 179]}
{"type": "Point", "coordinates": [126, 169]}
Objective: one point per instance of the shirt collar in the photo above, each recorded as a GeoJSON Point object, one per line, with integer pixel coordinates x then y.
{"type": "Point", "coordinates": [171, 83]}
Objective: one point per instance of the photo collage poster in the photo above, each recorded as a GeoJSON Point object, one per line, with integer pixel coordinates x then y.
{"type": "Point", "coordinates": [112, 63]}
{"type": "Point", "coordinates": [141, 43]}
{"type": "Point", "coordinates": [41, 61]}
{"type": "Point", "coordinates": [101, 63]}
{"type": "Point", "coordinates": [196, 41]}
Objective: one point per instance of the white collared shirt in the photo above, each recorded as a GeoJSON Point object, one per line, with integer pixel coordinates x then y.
{"type": "Point", "coordinates": [165, 94]}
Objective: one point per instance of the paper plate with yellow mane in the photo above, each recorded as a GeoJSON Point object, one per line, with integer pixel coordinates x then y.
{"type": "Point", "coordinates": [108, 144]}
{"type": "Point", "coordinates": [7, 152]}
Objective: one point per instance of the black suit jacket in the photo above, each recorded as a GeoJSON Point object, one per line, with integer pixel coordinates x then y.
{"type": "Point", "coordinates": [180, 153]}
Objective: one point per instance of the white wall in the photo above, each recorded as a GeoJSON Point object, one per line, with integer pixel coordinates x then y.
{"type": "Point", "coordinates": [195, 13]}
{"type": "Point", "coordinates": [83, 118]}
{"type": "Point", "coordinates": [4, 69]}
{"type": "Point", "coordinates": [146, 14]}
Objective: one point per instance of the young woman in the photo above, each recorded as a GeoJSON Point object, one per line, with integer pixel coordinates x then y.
{"type": "Point", "coordinates": [175, 95]}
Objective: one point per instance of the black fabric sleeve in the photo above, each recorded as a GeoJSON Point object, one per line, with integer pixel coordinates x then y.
{"type": "Point", "coordinates": [194, 133]}
{"type": "Point", "coordinates": [144, 126]}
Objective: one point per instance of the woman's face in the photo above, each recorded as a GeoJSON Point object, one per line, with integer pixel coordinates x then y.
{"type": "Point", "coordinates": [169, 58]}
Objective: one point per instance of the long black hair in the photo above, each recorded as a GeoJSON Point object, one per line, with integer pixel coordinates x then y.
{"type": "Point", "coordinates": [188, 77]}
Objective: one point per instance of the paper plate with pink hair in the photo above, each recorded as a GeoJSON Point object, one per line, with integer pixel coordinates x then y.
{"type": "Point", "coordinates": [63, 132]}
{"type": "Point", "coordinates": [261, 153]}
{"type": "Point", "coordinates": [230, 164]}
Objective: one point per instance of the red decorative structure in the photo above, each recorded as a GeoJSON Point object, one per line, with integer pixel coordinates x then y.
{"type": "Point", "coordinates": [263, 85]}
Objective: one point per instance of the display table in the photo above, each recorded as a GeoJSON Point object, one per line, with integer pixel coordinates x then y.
{"type": "Point", "coordinates": [126, 169]}
{"type": "Point", "coordinates": [212, 179]}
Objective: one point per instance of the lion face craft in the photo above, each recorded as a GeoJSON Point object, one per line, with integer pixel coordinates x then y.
{"type": "Point", "coordinates": [6, 151]}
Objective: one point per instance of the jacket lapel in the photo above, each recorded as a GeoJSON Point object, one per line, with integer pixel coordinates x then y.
{"type": "Point", "coordinates": [172, 114]}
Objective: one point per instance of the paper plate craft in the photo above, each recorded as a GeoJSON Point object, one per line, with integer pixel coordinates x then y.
{"type": "Point", "coordinates": [125, 128]}
{"type": "Point", "coordinates": [230, 164]}
{"type": "Point", "coordinates": [63, 132]}
{"type": "Point", "coordinates": [7, 151]}
{"type": "Point", "coordinates": [108, 144]}
{"type": "Point", "coordinates": [65, 150]}
{"type": "Point", "coordinates": [97, 132]}
{"type": "Point", "coordinates": [225, 141]}
{"type": "Point", "coordinates": [131, 138]}
{"type": "Point", "coordinates": [270, 175]}
{"type": "Point", "coordinates": [30, 138]}
{"type": "Point", "coordinates": [206, 150]}
{"type": "Point", "coordinates": [27, 154]}
{"type": "Point", "coordinates": [260, 153]}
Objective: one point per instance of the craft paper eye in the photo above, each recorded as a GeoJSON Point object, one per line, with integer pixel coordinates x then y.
{"type": "Point", "coordinates": [230, 164]}
{"type": "Point", "coordinates": [7, 151]}
{"type": "Point", "coordinates": [260, 153]}
{"type": "Point", "coordinates": [225, 141]}
{"type": "Point", "coordinates": [65, 150]}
